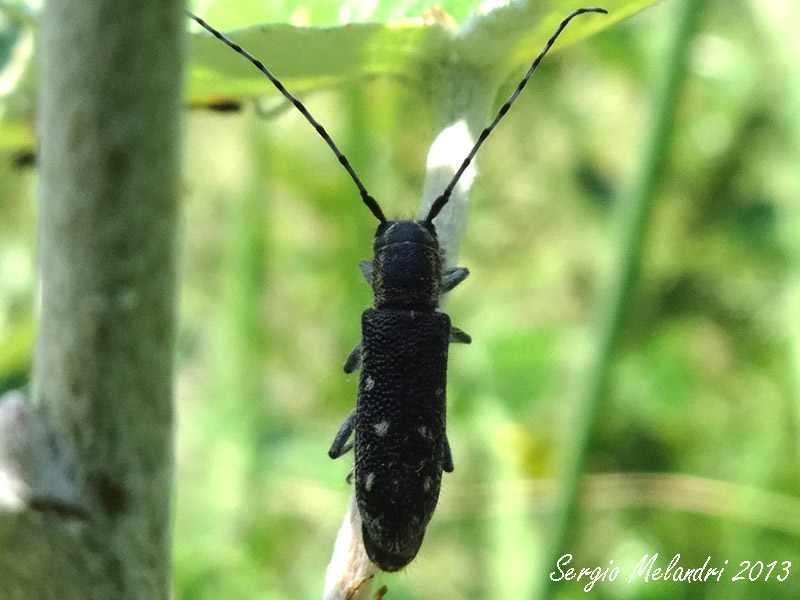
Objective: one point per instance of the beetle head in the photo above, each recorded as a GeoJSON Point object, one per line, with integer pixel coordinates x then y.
{"type": "Point", "coordinates": [407, 270]}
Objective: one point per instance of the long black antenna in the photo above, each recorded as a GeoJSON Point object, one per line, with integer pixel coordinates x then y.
{"type": "Point", "coordinates": [443, 199]}
{"type": "Point", "coordinates": [371, 203]}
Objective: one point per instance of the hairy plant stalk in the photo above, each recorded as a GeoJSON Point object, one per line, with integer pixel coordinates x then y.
{"type": "Point", "coordinates": [633, 225]}
{"type": "Point", "coordinates": [101, 415]}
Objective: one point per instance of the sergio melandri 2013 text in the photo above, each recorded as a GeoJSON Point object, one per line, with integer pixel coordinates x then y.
{"type": "Point", "coordinates": [646, 570]}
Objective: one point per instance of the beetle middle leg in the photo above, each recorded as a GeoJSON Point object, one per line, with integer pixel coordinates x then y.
{"type": "Point", "coordinates": [340, 444]}
{"type": "Point", "coordinates": [353, 362]}
{"type": "Point", "coordinates": [452, 277]}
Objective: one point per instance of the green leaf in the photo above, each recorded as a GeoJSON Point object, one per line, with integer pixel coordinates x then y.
{"type": "Point", "coordinates": [529, 25]}
{"type": "Point", "coordinates": [499, 39]}
{"type": "Point", "coordinates": [401, 39]}
{"type": "Point", "coordinates": [232, 14]}
{"type": "Point", "coordinates": [320, 57]}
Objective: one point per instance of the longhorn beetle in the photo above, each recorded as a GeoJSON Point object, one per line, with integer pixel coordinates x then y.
{"type": "Point", "coordinates": [401, 447]}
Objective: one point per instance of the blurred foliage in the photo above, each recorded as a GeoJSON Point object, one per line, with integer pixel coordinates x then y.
{"type": "Point", "coordinates": [702, 392]}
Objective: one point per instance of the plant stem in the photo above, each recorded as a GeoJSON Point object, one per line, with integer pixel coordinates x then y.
{"type": "Point", "coordinates": [109, 116]}
{"type": "Point", "coordinates": [633, 224]}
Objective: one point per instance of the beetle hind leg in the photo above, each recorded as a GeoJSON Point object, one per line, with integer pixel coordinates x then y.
{"type": "Point", "coordinates": [340, 444]}
{"type": "Point", "coordinates": [447, 457]}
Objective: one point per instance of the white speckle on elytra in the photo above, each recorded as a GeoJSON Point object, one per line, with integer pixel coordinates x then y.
{"type": "Point", "coordinates": [369, 481]}
{"type": "Point", "coordinates": [369, 383]}
{"type": "Point", "coordinates": [423, 431]}
{"type": "Point", "coordinates": [427, 483]}
{"type": "Point", "coordinates": [381, 428]}
{"type": "Point", "coordinates": [439, 392]}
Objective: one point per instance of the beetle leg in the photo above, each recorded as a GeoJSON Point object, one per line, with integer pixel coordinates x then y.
{"type": "Point", "coordinates": [366, 270]}
{"type": "Point", "coordinates": [452, 277]}
{"type": "Point", "coordinates": [447, 457]}
{"type": "Point", "coordinates": [353, 362]}
{"type": "Point", "coordinates": [459, 336]}
{"type": "Point", "coordinates": [340, 445]}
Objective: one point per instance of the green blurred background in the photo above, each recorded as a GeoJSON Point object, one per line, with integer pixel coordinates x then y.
{"type": "Point", "coordinates": [698, 441]}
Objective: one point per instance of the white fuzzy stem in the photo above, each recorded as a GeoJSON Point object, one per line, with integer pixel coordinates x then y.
{"type": "Point", "coordinates": [350, 570]}
{"type": "Point", "coordinates": [463, 97]}
{"type": "Point", "coordinates": [444, 158]}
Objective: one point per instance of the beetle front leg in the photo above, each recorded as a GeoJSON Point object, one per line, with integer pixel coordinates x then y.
{"type": "Point", "coordinates": [459, 336]}
{"type": "Point", "coordinates": [340, 445]}
{"type": "Point", "coordinates": [366, 270]}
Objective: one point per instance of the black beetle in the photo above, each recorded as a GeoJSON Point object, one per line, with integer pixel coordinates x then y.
{"type": "Point", "coordinates": [401, 447]}
{"type": "Point", "coordinates": [400, 443]}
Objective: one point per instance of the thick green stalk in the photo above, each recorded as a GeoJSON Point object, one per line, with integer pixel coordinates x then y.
{"type": "Point", "coordinates": [633, 223]}
{"type": "Point", "coordinates": [97, 441]}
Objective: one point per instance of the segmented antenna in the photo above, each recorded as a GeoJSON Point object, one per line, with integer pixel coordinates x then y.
{"type": "Point", "coordinates": [443, 199]}
{"type": "Point", "coordinates": [371, 203]}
